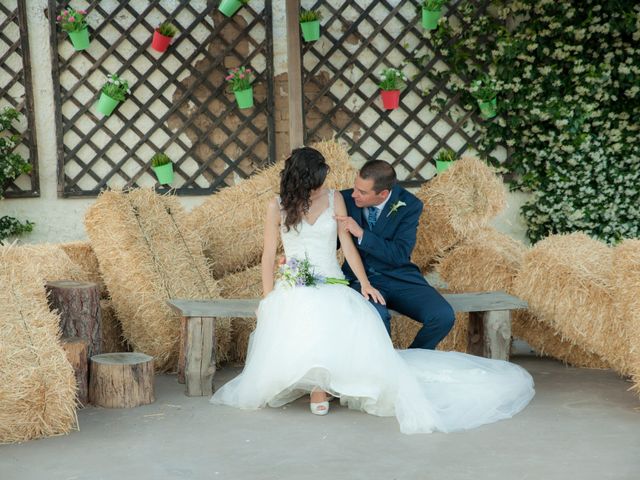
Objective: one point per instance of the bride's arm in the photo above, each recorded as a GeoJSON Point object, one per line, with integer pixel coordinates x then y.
{"type": "Point", "coordinates": [270, 245]}
{"type": "Point", "coordinates": [351, 252]}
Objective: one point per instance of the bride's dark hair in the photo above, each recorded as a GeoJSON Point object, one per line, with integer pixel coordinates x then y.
{"type": "Point", "coordinates": [304, 171]}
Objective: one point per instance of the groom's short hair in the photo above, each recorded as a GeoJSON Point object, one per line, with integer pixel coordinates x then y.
{"type": "Point", "coordinates": [382, 174]}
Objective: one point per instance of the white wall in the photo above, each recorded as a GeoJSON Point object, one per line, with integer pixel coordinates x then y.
{"type": "Point", "coordinates": [60, 220]}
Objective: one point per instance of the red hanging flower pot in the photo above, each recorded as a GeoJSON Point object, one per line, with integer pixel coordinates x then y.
{"type": "Point", "coordinates": [160, 42]}
{"type": "Point", "coordinates": [390, 99]}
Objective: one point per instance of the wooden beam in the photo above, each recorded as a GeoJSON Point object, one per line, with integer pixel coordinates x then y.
{"type": "Point", "coordinates": [294, 73]}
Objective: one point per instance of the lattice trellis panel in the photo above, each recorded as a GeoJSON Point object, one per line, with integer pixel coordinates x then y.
{"type": "Point", "coordinates": [179, 102]}
{"type": "Point", "coordinates": [340, 82]}
{"type": "Point", "coordinates": [16, 91]}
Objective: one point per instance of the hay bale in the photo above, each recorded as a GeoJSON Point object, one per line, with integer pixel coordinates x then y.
{"type": "Point", "coordinates": [567, 281]}
{"type": "Point", "coordinates": [488, 260]}
{"type": "Point", "coordinates": [626, 299]}
{"type": "Point", "coordinates": [245, 284]}
{"type": "Point", "coordinates": [403, 331]}
{"type": "Point", "coordinates": [548, 343]}
{"type": "Point", "coordinates": [457, 202]}
{"type": "Point", "coordinates": [147, 255]}
{"type": "Point", "coordinates": [238, 212]}
{"type": "Point", "coordinates": [85, 258]}
{"type": "Point", "coordinates": [37, 383]}
{"type": "Point", "coordinates": [113, 340]}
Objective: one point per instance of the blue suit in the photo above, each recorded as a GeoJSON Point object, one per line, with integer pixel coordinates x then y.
{"type": "Point", "coordinates": [386, 255]}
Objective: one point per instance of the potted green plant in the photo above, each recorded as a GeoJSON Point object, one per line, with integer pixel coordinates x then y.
{"type": "Point", "coordinates": [310, 24]}
{"type": "Point", "coordinates": [444, 159]}
{"type": "Point", "coordinates": [114, 91]}
{"type": "Point", "coordinates": [12, 165]}
{"type": "Point", "coordinates": [484, 91]}
{"type": "Point", "coordinates": [392, 81]}
{"type": "Point", "coordinates": [163, 168]}
{"type": "Point", "coordinates": [240, 80]}
{"type": "Point", "coordinates": [162, 36]}
{"type": "Point", "coordinates": [431, 13]}
{"type": "Point", "coordinates": [74, 23]}
{"type": "Point", "coordinates": [230, 7]}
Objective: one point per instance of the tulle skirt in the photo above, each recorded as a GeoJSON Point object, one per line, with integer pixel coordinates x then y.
{"type": "Point", "coordinates": [329, 337]}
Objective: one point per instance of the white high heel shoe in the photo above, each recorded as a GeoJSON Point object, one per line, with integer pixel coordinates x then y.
{"type": "Point", "coordinates": [319, 408]}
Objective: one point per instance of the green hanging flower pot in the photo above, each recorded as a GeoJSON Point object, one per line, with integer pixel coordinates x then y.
{"type": "Point", "coordinates": [310, 30]}
{"type": "Point", "coordinates": [244, 97]}
{"type": "Point", "coordinates": [488, 109]}
{"type": "Point", "coordinates": [229, 7]}
{"type": "Point", "coordinates": [430, 18]}
{"type": "Point", "coordinates": [106, 104]}
{"type": "Point", "coordinates": [442, 166]}
{"type": "Point", "coordinates": [164, 173]}
{"type": "Point", "coordinates": [80, 39]}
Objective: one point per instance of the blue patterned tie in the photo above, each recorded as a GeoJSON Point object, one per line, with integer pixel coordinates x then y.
{"type": "Point", "coordinates": [372, 217]}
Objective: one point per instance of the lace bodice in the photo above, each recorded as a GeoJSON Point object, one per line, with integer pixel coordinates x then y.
{"type": "Point", "coordinates": [317, 241]}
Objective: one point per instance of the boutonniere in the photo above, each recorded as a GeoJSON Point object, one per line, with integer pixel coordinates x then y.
{"type": "Point", "coordinates": [396, 206]}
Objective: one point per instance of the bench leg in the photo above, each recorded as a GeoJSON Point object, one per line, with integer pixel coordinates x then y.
{"type": "Point", "coordinates": [197, 355]}
{"type": "Point", "coordinates": [490, 334]}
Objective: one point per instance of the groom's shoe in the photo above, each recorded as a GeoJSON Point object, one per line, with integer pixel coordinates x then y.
{"type": "Point", "coordinates": [320, 408]}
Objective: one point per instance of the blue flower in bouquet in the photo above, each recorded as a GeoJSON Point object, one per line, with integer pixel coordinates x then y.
{"type": "Point", "coordinates": [300, 273]}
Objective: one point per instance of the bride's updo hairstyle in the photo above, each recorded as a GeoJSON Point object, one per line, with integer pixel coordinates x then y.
{"type": "Point", "coordinates": [304, 171]}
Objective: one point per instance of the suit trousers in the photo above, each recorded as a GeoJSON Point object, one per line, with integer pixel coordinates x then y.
{"type": "Point", "coordinates": [421, 303]}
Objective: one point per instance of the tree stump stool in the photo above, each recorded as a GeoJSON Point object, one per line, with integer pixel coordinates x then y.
{"type": "Point", "coordinates": [121, 380]}
{"type": "Point", "coordinates": [78, 304]}
{"type": "Point", "coordinates": [76, 350]}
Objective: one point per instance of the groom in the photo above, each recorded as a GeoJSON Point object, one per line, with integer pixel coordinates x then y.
{"type": "Point", "coordinates": [383, 219]}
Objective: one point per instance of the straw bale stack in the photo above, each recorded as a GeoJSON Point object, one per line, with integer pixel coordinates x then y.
{"type": "Point", "coordinates": [457, 202]}
{"type": "Point", "coordinates": [626, 298]}
{"type": "Point", "coordinates": [148, 255]}
{"type": "Point", "coordinates": [231, 222]}
{"type": "Point", "coordinates": [567, 281]}
{"type": "Point", "coordinates": [84, 257]}
{"type": "Point", "coordinates": [488, 260]}
{"type": "Point", "coordinates": [37, 383]}
{"type": "Point", "coordinates": [245, 284]}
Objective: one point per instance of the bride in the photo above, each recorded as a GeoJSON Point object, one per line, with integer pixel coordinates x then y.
{"type": "Point", "coordinates": [317, 336]}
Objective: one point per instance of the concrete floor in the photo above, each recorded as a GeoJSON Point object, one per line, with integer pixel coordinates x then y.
{"type": "Point", "coordinates": [582, 424]}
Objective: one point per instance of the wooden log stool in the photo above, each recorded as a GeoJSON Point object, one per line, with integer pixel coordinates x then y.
{"type": "Point", "coordinates": [77, 355]}
{"type": "Point", "coordinates": [121, 380]}
{"type": "Point", "coordinates": [78, 304]}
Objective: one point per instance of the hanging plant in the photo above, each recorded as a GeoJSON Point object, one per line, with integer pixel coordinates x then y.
{"type": "Point", "coordinates": [431, 13]}
{"type": "Point", "coordinates": [162, 36]}
{"type": "Point", "coordinates": [74, 23]}
{"type": "Point", "coordinates": [484, 91]}
{"type": "Point", "coordinates": [12, 165]}
{"type": "Point", "coordinates": [445, 159]}
{"type": "Point", "coordinates": [163, 168]}
{"type": "Point", "coordinates": [114, 91]}
{"type": "Point", "coordinates": [393, 80]}
{"type": "Point", "coordinates": [240, 80]}
{"type": "Point", "coordinates": [230, 7]}
{"type": "Point", "coordinates": [310, 24]}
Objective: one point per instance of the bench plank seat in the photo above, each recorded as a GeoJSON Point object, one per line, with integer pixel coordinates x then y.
{"type": "Point", "coordinates": [489, 330]}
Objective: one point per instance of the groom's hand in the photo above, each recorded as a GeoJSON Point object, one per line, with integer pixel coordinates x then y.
{"type": "Point", "coordinates": [350, 225]}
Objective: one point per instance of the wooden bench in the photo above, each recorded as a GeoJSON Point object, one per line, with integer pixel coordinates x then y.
{"type": "Point", "coordinates": [489, 330]}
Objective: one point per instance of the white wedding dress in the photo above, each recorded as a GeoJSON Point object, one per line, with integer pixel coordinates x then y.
{"type": "Point", "coordinates": [332, 338]}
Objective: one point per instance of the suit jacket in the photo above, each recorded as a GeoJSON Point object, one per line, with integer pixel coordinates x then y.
{"type": "Point", "coordinates": [386, 250]}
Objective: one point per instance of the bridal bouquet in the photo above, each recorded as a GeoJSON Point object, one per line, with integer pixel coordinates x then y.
{"type": "Point", "coordinates": [300, 273]}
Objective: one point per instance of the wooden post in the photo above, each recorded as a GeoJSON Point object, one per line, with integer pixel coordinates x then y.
{"type": "Point", "coordinates": [294, 75]}
{"type": "Point", "coordinates": [490, 334]}
{"type": "Point", "coordinates": [76, 350]}
{"type": "Point", "coordinates": [121, 380]}
{"type": "Point", "coordinates": [198, 355]}
{"type": "Point", "coordinates": [78, 304]}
